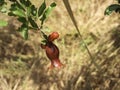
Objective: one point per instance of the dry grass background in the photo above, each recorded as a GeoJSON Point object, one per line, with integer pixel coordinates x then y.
{"type": "Point", "coordinates": [23, 64]}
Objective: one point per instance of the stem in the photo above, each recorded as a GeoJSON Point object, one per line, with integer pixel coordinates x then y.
{"type": "Point", "coordinates": [69, 10]}
{"type": "Point", "coordinates": [43, 34]}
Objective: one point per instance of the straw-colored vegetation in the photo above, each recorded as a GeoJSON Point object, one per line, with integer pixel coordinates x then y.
{"type": "Point", "coordinates": [23, 64]}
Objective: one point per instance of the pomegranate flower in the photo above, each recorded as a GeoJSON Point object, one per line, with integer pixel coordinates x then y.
{"type": "Point", "coordinates": [52, 50]}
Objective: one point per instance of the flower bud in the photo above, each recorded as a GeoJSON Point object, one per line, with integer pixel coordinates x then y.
{"type": "Point", "coordinates": [53, 36]}
{"type": "Point", "coordinates": [52, 51]}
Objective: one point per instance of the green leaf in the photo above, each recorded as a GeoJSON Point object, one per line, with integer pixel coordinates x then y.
{"type": "Point", "coordinates": [19, 13]}
{"type": "Point", "coordinates": [22, 19]}
{"type": "Point", "coordinates": [32, 22]}
{"type": "Point", "coordinates": [25, 34]}
{"type": "Point", "coordinates": [26, 3]}
{"type": "Point", "coordinates": [24, 31]}
{"type": "Point", "coordinates": [3, 23]}
{"type": "Point", "coordinates": [16, 11]}
{"type": "Point", "coordinates": [44, 42]}
{"type": "Point", "coordinates": [43, 19]}
{"type": "Point", "coordinates": [47, 12]}
{"type": "Point", "coordinates": [111, 8]}
{"type": "Point", "coordinates": [19, 5]}
{"type": "Point", "coordinates": [28, 11]}
{"type": "Point", "coordinates": [3, 9]}
{"type": "Point", "coordinates": [49, 9]}
{"type": "Point", "coordinates": [11, 14]}
{"type": "Point", "coordinates": [33, 10]}
{"type": "Point", "coordinates": [41, 8]}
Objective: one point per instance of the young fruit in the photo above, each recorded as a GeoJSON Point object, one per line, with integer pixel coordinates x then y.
{"type": "Point", "coordinates": [52, 51]}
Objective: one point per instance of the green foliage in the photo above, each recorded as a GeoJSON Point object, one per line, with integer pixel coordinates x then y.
{"type": "Point", "coordinates": [41, 9]}
{"type": "Point", "coordinates": [33, 23]}
{"type": "Point", "coordinates": [112, 8]}
{"type": "Point", "coordinates": [27, 13]}
{"type": "Point", "coordinates": [33, 10]}
{"type": "Point", "coordinates": [24, 31]}
{"type": "Point", "coordinates": [47, 12]}
{"type": "Point", "coordinates": [3, 6]}
{"type": "Point", "coordinates": [16, 11]}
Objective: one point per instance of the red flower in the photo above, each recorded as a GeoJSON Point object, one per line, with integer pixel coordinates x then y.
{"type": "Point", "coordinates": [52, 50]}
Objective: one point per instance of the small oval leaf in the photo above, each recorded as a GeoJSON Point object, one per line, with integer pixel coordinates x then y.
{"type": "Point", "coordinates": [18, 12]}
{"type": "Point", "coordinates": [25, 34]}
{"type": "Point", "coordinates": [34, 10]}
{"type": "Point", "coordinates": [47, 12]}
{"type": "Point", "coordinates": [32, 22]}
{"type": "Point", "coordinates": [41, 8]}
{"type": "Point", "coordinates": [50, 8]}
{"type": "Point", "coordinates": [111, 8]}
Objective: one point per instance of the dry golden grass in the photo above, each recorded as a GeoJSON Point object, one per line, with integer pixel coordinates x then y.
{"type": "Point", "coordinates": [23, 64]}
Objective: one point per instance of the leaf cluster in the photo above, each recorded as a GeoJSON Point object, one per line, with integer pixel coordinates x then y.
{"type": "Point", "coordinates": [31, 17]}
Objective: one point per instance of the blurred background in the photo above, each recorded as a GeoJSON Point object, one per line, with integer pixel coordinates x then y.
{"type": "Point", "coordinates": [24, 65]}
